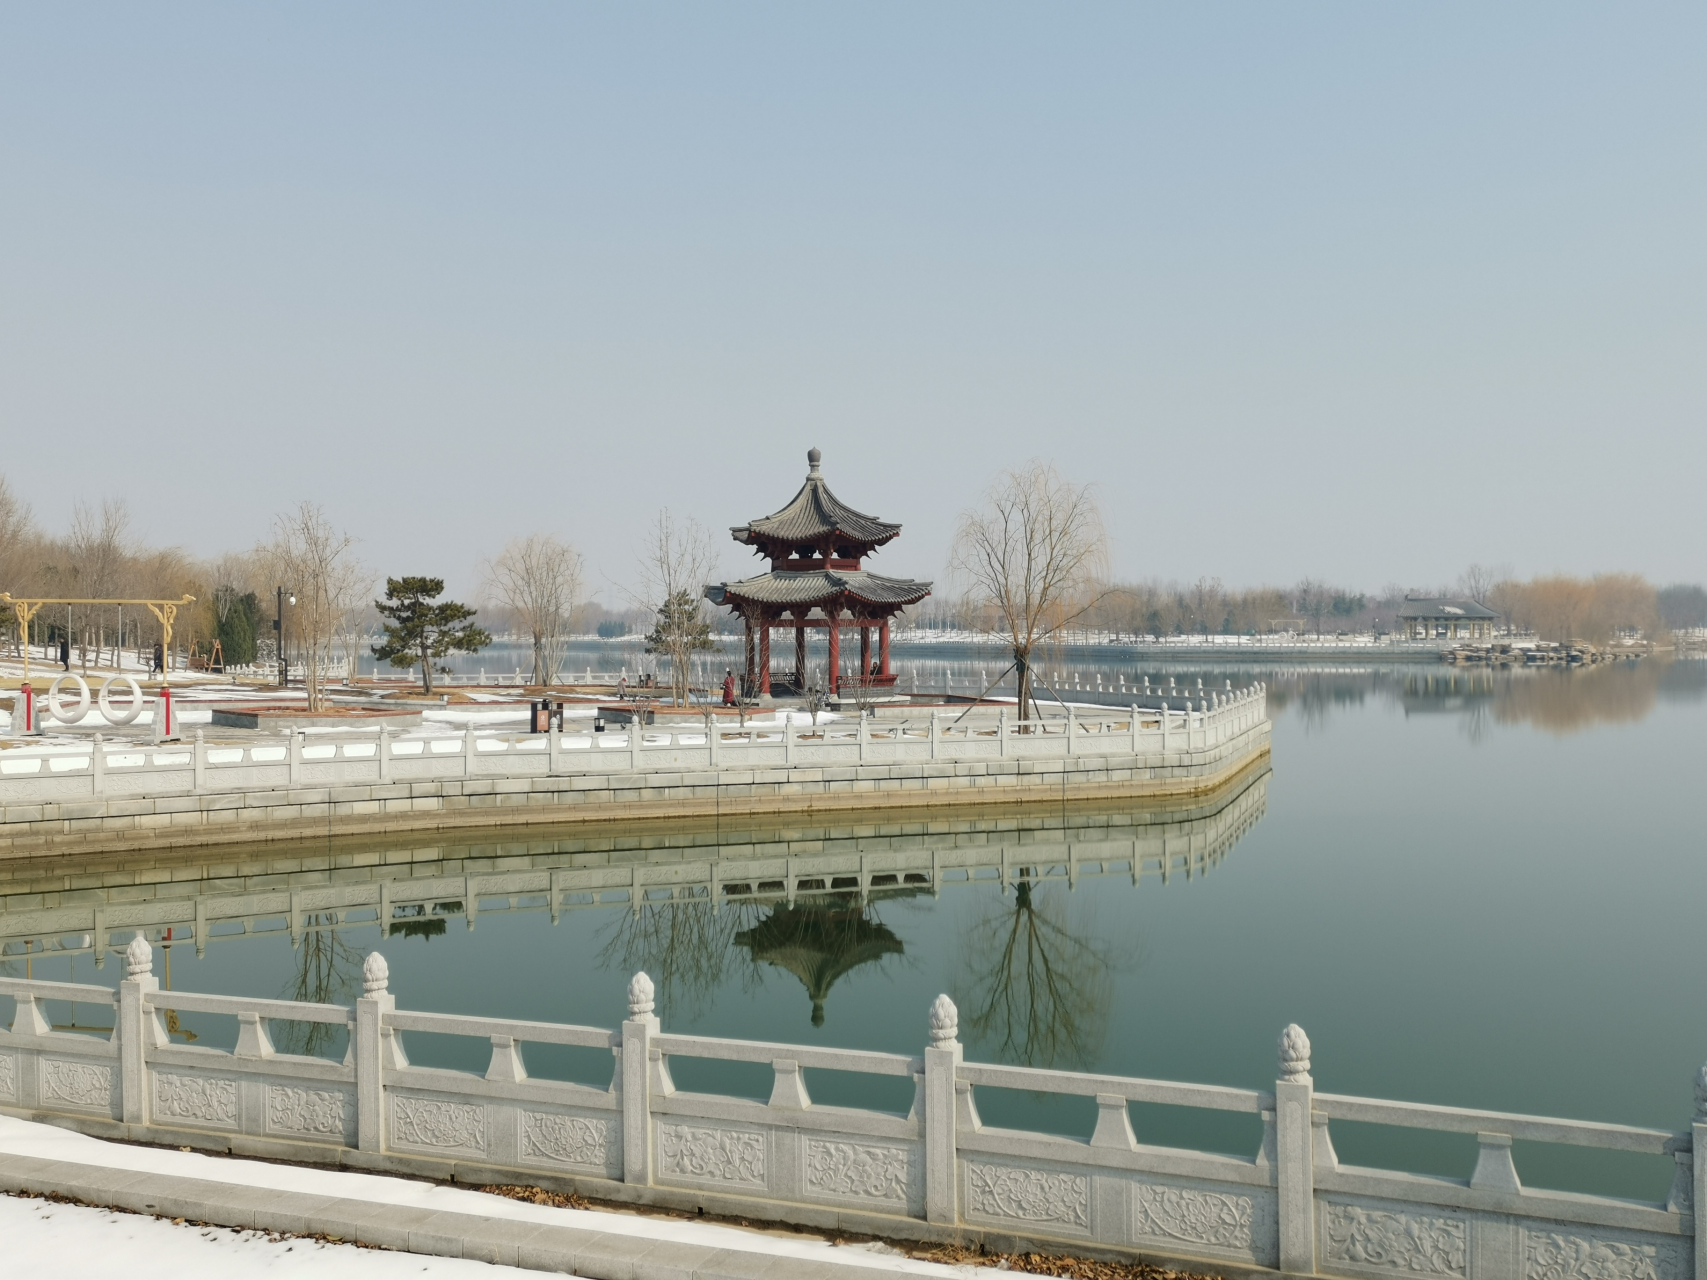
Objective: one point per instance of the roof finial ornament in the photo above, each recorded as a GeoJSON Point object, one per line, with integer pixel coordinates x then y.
{"type": "Point", "coordinates": [813, 458]}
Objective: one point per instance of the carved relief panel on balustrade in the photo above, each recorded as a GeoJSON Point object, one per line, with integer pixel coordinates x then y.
{"type": "Point", "coordinates": [1214, 1221]}
{"type": "Point", "coordinates": [712, 1154]}
{"type": "Point", "coordinates": [437, 1126]}
{"type": "Point", "coordinates": [874, 1174]}
{"type": "Point", "coordinates": [67, 1084]}
{"type": "Point", "coordinates": [193, 1099]}
{"type": "Point", "coordinates": [579, 1142]}
{"type": "Point", "coordinates": [1028, 1198]}
{"type": "Point", "coordinates": [312, 1111]}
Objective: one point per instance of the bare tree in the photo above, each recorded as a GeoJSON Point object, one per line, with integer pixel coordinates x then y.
{"type": "Point", "coordinates": [1031, 555]}
{"type": "Point", "coordinates": [314, 560]}
{"type": "Point", "coordinates": [1477, 582]}
{"type": "Point", "coordinates": [677, 561]}
{"type": "Point", "coordinates": [538, 578]}
{"type": "Point", "coordinates": [18, 552]}
{"type": "Point", "coordinates": [98, 549]}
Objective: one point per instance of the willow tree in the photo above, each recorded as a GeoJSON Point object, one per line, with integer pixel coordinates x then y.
{"type": "Point", "coordinates": [1031, 555]}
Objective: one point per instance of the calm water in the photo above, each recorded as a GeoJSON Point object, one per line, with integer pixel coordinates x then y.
{"type": "Point", "coordinates": [1469, 888]}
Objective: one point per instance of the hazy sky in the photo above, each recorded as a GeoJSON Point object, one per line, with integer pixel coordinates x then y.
{"type": "Point", "coordinates": [1359, 291]}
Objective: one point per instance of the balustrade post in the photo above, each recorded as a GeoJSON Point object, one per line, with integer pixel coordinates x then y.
{"type": "Point", "coordinates": [942, 1064]}
{"type": "Point", "coordinates": [385, 753]}
{"type": "Point", "coordinates": [637, 1035]}
{"type": "Point", "coordinates": [97, 766]}
{"type": "Point", "coordinates": [934, 735]}
{"type": "Point", "coordinates": [295, 767]}
{"type": "Point", "coordinates": [198, 758]}
{"type": "Point", "coordinates": [713, 737]}
{"type": "Point", "coordinates": [553, 745]}
{"type": "Point", "coordinates": [139, 1030]}
{"type": "Point", "coordinates": [1698, 1161]}
{"type": "Point", "coordinates": [1164, 726]}
{"type": "Point", "coordinates": [636, 738]}
{"type": "Point", "coordinates": [864, 734]}
{"type": "Point", "coordinates": [1295, 1154]}
{"type": "Point", "coordinates": [470, 744]}
{"type": "Point", "coordinates": [376, 1048]}
{"type": "Point", "coordinates": [1002, 732]}
{"type": "Point", "coordinates": [1072, 724]}
{"type": "Point", "coordinates": [1135, 728]}
{"type": "Point", "coordinates": [787, 737]}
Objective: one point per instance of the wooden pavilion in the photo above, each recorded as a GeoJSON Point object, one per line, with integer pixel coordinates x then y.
{"type": "Point", "coordinates": [815, 545]}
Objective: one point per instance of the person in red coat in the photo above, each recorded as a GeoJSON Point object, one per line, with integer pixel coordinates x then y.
{"type": "Point", "coordinates": [728, 688]}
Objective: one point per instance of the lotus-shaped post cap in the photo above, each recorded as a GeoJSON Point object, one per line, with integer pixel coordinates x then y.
{"type": "Point", "coordinates": [639, 995]}
{"type": "Point", "coordinates": [945, 1021]}
{"type": "Point", "coordinates": [139, 957]}
{"type": "Point", "coordinates": [375, 974]}
{"type": "Point", "coordinates": [1294, 1054]}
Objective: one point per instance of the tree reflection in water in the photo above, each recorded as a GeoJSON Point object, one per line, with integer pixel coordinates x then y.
{"type": "Point", "coordinates": [684, 946]}
{"type": "Point", "coordinates": [1038, 980]}
{"type": "Point", "coordinates": [325, 972]}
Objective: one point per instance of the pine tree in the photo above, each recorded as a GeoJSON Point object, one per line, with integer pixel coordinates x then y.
{"type": "Point", "coordinates": [681, 631]}
{"type": "Point", "coordinates": [417, 630]}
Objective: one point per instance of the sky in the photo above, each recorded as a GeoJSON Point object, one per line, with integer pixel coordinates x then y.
{"type": "Point", "coordinates": [1361, 292]}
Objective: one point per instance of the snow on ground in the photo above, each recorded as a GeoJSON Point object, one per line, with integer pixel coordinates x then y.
{"type": "Point", "coordinates": [78, 1242]}
{"type": "Point", "coordinates": [26, 1138]}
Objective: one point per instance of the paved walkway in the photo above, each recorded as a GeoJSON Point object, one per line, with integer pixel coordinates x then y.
{"type": "Point", "coordinates": [417, 1217]}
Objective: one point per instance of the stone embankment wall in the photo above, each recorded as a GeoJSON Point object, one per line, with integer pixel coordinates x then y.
{"type": "Point", "coordinates": [931, 1171]}
{"type": "Point", "coordinates": [200, 794]}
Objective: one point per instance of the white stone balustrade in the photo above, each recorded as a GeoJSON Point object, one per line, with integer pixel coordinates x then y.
{"type": "Point", "coordinates": [1179, 728]}
{"type": "Point", "coordinates": [936, 1169]}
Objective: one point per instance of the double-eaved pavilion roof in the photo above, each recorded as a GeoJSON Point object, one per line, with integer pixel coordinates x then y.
{"type": "Point", "coordinates": [820, 586]}
{"type": "Point", "coordinates": [816, 521]}
{"type": "Point", "coordinates": [814, 516]}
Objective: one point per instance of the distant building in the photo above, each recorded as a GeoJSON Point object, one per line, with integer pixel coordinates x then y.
{"type": "Point", "coordinates": [1432, 618]}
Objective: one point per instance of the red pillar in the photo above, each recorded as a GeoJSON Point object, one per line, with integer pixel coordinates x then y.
{"type": "Point", "coordinates": [799, 655]}
{"type": "Point", "coordinates": [835, 649]}
{"type": "Point", "coordinates": [883, 646]}
{"type": "Point", "coordinates": [765, 657]}
{"type": "Point", "coordinates": [864, 654]}
{"type": "Point", "coordinates": [751, 675]}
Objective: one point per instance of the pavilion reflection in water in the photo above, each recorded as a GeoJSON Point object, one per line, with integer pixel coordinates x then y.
{"type": "Point", "coordinates": [819, 942]}
{"type": "Point", "coordinates": [689, 903]}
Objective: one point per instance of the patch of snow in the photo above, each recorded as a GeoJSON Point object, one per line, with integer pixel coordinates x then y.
{"type": "Point", "coordinates": [69, 1248]}
{"type": "Point", "coordinates": [79, 1242]}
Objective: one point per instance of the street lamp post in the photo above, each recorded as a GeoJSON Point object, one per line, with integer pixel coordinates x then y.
{"type": "Point", "coordinates": [278, 626]}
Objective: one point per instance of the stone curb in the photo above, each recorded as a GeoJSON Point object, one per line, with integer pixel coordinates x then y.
{"type": "Point", "coordinates": [504, 1241]}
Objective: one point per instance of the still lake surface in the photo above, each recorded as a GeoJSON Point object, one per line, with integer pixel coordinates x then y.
{"type": "Point", "coordinates": [1473, 888]}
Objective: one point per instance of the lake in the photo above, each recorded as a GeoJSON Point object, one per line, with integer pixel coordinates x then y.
{"type": "Point", "coordinates": [1475, 888]}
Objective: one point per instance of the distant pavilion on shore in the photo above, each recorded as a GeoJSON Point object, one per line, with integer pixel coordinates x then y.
{"type": "Point", "coordinates": [1432, 618]}
{"type": "Point", "coordinates": [815, 546]}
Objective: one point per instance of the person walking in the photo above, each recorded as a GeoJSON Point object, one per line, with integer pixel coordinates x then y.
{"type": "Point", "coordinates": [159, 667]}
{"type": "Point", "coordinates": [65, 652]}
{"type": "Point", "coordinates": [728, 687]}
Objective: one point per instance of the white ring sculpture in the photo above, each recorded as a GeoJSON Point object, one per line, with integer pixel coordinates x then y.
{"type": "Point", "coordinates": [58, 709]}
{"type": "Point", "coordinates": [105, 701]}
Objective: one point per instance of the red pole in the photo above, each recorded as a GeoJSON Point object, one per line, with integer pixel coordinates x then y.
{"type": "Point", "coordinates": [883, 646]}
{"type": "Point", "coordinates": [835, 650]}
{"type": "Point", "coordinates": [765, 658]}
